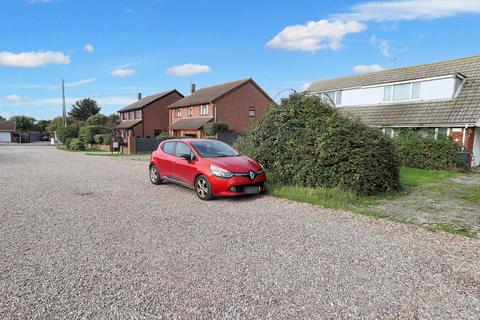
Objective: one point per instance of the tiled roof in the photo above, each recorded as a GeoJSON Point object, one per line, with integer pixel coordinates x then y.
{"type": "Point", "coordinates": [127, 124]}
{"type": "Point", "coordinates": [7, 125]}
{"type": "Point", "coordinates": [461, 110]}
{"type": "Point", "coordinates": [190, 124]}
{"type": "Point", "coordinates": [208, 94]}
{"type": "Point", "coordinates": [147, 100]}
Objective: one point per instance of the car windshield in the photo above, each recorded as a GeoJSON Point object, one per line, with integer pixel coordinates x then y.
{"type": "Point", "coordinates": [214, 149]}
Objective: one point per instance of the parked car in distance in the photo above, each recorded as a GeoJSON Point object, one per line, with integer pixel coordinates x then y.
{"type": "Point", "coordinates": [210, 167]}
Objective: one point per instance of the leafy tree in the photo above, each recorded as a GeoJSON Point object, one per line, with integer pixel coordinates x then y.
{"type": "Point", "coordinates": [54, 124]}
{"type": "Point", "coordinates": [41, 125]}
{"type": "Point", "coordinates": [97, 120]}
{"type": "Point", "coordinates": [23, 123]}
{"type": "Point", "coordinates": [82, 109]}
{"type": "Point", "coordinates": [64, 133]}
{"type": "Point", "coordinates": [113, 120]}
{"type": "Point", "coordinates": [2, 118]}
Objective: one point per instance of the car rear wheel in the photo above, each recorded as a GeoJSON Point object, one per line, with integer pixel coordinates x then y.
{"type": "Point", "coordinates": [203, 188]}
{"type": "Point", "coordinates": [154, 175]}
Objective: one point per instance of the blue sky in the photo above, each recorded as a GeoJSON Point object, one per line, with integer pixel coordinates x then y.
{"type": "Point", "coordinates": [110, 50]}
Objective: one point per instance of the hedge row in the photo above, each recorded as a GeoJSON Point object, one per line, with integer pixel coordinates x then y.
{"type": "Point", "coordinates": [306, 142]}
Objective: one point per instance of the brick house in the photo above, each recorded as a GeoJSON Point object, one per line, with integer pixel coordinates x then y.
{"type": "Point", "coordinates": [147, 117]}
{"type": "Point", "coordinates": [7, 129]}
{"type": "Point", "coordinates": [238, 104]}
{"type": "Point", "coordinates": [436, 98]}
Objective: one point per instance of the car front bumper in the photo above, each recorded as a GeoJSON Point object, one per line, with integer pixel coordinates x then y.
{"type": "Point", "coordinates": [237, 186]}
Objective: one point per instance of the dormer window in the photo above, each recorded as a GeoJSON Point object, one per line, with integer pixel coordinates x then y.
{"type": "Point", "coordinates": [402, 92]}
{"type": "Point", "coordinates": [178, 113]}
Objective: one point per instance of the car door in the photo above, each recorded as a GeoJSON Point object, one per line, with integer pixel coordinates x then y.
{"type": "Point", "coordinates": [184, 170]}
{"type": "Point", "coordinates": [165, 158]}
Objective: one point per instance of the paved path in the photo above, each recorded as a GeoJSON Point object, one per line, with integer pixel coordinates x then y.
{"type": "Point", "coordinates": [90, 237]}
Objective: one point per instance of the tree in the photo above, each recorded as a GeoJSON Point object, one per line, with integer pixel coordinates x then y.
{"type": "Point", "coordinates": [23, 123]}
{"type": "Point", "coordinates": [113, 120]}
{"type": "Point", "coordinates": [96, 120]}
{"type": "Point", "coordinates": [82, 109]}
{"type": "Point", "coordinates": [2, 118]}
{"type": "Point", "coordinates": [41, 125]}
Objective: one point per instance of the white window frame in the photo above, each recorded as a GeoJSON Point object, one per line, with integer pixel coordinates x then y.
{"type": "Point", "coordinates": [204, 110]}
{"type": "Point", "coordinates": [178, 113]}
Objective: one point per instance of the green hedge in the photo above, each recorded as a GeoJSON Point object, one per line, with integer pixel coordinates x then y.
{"type": "Point", "coordinates": [76, 144]}
{"type": "Point", "coordinates": [66, 132]}
{"type": "Point", "coordinates": [104, 138]}
{"type": "Point", "coordinates": [306, 142]}
{"type": "Point", "coordinates": [211, 128]}
{"type": "Point", "coordinates": [86, 133]}
{"type": "Point", "coordinates": [434, 154]}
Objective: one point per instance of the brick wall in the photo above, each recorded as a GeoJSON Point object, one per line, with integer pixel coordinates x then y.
{"type": "Point", "coordinates": [155, 115]}
{"type": "Point", "coordinates": [233, 108]}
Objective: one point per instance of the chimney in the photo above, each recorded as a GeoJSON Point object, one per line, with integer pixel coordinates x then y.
{"type": "Point", "coordinates": [139, 96]}
{"type": "Point", "coordinates": [193, 88]}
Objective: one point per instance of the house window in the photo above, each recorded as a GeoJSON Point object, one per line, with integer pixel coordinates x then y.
{"type": "Point", "coordinates": [132, 115]}
{"type": "Point", "coordinates": [138, 114]}
{"type": "Point", "coordinates": [204, 110]}
{"type": "Point", "coordinates": [402, 92]}
{"type": "Point", "coordinates": [334, 97]}
{"type": "Point", "coordinates": [251, 111]}
{"type": "Point", "coordinates": [190, 111]}
{"type": "Point", "coordinates": [442, 131]}
{"type": "Point", "coordinates": [178, 113]}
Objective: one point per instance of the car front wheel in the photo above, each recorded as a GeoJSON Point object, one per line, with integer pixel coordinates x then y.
{"type": "Point", "coordinates": [154, 175]}
{"type": "Point", "coordinates": [203, 188]}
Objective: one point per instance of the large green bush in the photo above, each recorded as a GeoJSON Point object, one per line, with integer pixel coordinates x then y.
{"type": "Point", "coordinates": [306, 142]}
{"type": "Point", "coordinates": [66, 132]}
{"type": "Point", "coordinates": [427, 153]}
{"type": "Point", "coordinates": [86, 133]}
{"type": "Point", "coordinates": [104, 138]}
{"type": "Point", "coordinates": [211, 128]}
{"type": "Point", "coordinates": [76, 144]}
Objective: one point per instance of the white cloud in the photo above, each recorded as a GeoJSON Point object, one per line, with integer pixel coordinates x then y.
{"type": "Point", "coordinates": [314, 35]}
{"type": "Point", "coordinates": [122, 72]}
{"type": "Point", "coordinates": [80, 82]}
{"type": "Point", "coordinates": [368, 68]}
{"type": "Point", "coordinates": [188, 69]}
{"type": "Point", "coordinates": [409, 10]}
{"type": "Point", "coordinates": [88, 48]}
{"type": "Point", "coordinates": [32, 59]}
{"type": "Point", "coordinates": [15, 98]}
{"type": "Point", "coordinates": [383, 45]}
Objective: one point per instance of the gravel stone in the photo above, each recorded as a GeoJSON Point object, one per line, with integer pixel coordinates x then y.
{"type": "Point", "coordinates": [91, 237]}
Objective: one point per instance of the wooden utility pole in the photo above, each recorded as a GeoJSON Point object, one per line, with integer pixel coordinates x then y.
{"type": "Point", "coordinates": [64, 115]}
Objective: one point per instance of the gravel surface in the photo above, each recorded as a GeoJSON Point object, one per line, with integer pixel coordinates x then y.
{"type": "Point", "coordinates": [91, 237]}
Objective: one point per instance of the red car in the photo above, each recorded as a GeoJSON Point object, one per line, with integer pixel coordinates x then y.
{"type": "Point", "coordinates": [211, 167]}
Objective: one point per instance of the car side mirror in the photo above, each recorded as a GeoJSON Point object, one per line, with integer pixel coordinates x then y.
{"type": "Point", "coordinates": [186, 156]}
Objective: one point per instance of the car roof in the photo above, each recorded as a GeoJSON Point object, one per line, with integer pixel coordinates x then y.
{"type": "Point", "coordinates": [189, 140]}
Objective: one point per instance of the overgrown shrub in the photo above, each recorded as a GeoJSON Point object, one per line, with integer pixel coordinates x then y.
{"type": "Point", "coordinates": [104, 138]}
{"type": "Point", "coordinates": [426, 153]}
{"type": "Point", "coordinates": [86, 133]}
{"type": "Point", "coordinates": [76, 144]}
{"type": "Point", "coordinates": [211, 128]}
{"type": "Point", "coordinates": [66, 132]}
{"type": "Point", "coordinates": [306, 142]}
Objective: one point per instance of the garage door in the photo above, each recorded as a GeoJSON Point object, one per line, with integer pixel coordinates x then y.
{"type": "Point", "coordinates": [5, 137]}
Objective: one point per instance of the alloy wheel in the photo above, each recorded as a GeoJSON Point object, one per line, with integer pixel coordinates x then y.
{"type": "Point", "coordinates": [202, 187]}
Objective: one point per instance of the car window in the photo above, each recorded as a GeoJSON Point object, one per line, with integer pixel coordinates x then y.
{"type": "Point", "coordinates": [168, 147]}
{"type": "Point", "coordinates": [182, 148]}
{"type": "Point", "coordinates": [214, 149]}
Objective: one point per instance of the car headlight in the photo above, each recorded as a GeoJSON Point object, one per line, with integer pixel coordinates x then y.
{"type": "Point", "coordinates": [219, 172]}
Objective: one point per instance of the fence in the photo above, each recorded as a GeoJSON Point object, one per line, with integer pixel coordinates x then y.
{"type": "Point", "coordinates": [228, 137]}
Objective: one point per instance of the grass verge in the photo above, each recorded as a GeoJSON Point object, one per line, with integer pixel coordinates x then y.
{"type": "Point", "coordinates": [64, 148]}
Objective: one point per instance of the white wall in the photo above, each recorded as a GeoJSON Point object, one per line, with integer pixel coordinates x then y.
{"type": "Point", "coordinates": [372, 95]}
{"type": "Point", "coordinates": [438, 89]}
{"type": "Point", "coordinates": [476, 148]}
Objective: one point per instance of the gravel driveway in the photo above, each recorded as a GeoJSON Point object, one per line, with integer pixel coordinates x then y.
{"type": "Point", "coordinates": [91, 237]}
